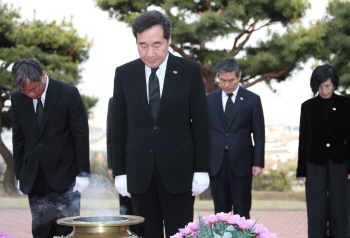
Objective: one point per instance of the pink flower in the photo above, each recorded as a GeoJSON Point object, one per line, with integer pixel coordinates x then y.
{"type": "Point", "coordinates": [233, 219]}
{"type": "Point", "coordinates": [245, 224]}
{"type": "Point", "coordinates": [177, 235]}
{"type": "Point", "coordinates": [1, 233]}
{"type": "Point", "coordinates": [227, 219]}
{"type": "Point", "coordinates": [186, 231]}
{"type": "Point", "coordinates": [222, 216]}
{"type": "Point", "coordinates": [259, 228]}
{"type": "Point", "coordinates": [212, 219]}
{"type": "Point", "coordinates": [7, 235]}
{"type": "Point", "coordinates": [267, 235]}
{"type": "Point", "coordinates": [193, 226]}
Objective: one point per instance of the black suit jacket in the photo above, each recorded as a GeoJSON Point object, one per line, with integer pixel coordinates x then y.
{"type": "Point", "coordinates": [247, 118]}
{"type": "Point", "coordinates": [180, 136]}
{"type": "Point", "coordinates": [324, 132]}
{"type": "Point", "coordinates": [62, 144]}
{"type": "Point", "coordinates": [109, 133]}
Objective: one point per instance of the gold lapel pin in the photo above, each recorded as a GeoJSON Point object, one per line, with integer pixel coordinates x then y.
{"type": "Point", "coordinates": [241, 98]}
{"type": "Point", "coordinates": [334, 109]}
{"type": "Point", "coordinates": [175, 72]}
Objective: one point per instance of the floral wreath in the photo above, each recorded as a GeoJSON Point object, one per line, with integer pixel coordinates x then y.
{"type": "Point", "coordinates": [223, 225]}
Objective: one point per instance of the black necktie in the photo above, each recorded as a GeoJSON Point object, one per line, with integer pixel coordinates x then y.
{"type": "Point", "coordinates": [154, 94]}
{"type": "Point", "coordinates": [228, 107]}
{"type": "Point", "coordinates": [39, 111]}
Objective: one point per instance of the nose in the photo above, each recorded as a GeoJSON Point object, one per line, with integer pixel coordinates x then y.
{"type": "Point", "coordinates": [150, 52]}
{"type": "Point", "coordinates": [30, 93]}
{"type": "Point", "coordinates": [321, 90]}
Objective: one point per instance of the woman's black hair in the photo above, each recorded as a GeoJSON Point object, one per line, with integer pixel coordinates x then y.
{"type": "Point", "coordinates": [321, 74]}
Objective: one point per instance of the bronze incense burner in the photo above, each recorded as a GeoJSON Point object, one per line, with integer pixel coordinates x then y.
{"type": "Point", "coordinates": [101, 226]}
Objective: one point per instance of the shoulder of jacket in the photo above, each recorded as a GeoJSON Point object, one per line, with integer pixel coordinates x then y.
{"type": "Point", "coordinates": [213, 93]}
{"type": "Point", "coordinates": [64, 85]}
{"type": "Point", "coordinates": [309, 101]}
{"type": "Point", "coordinates": [248, 92]}
{"type": "Point", "coordinates": [127, 66]}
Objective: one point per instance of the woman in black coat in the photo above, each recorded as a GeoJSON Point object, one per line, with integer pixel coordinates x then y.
{"type": "Point", "coordinates": [323, 162]}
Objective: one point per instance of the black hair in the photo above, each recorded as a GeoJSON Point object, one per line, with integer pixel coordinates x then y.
{"type": "Point", "coordinates": [149, 19]}
{"type": "Point", "coordinates": [228, 65]}
{"type": "Point", "coordinates": [321, 74]}
{"type": "Point", "coordinates": [26, 69]}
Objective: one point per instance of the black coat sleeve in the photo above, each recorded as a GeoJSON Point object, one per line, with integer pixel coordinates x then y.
{"type": "Point", "coordinates": [109, 131]}
{"type": "Point", "coordinates": [303, 141]}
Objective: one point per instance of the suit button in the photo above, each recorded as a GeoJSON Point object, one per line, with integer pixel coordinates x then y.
{"type": "Point", "coordinates": [151, 151]}
{"type": "Point", "coordinates": [156, 128]}
{"type": "Point", "coordinates": [225, 148]}
{"type": "Point", "coordinates": [226, 134]}
{"type": "Point", "coordinates": [328, 145]}
{"type": "Point", "coordinates": [40, 144]}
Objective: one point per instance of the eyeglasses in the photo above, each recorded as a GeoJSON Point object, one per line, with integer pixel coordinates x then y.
{"type": "Point", "coordinates": [30, 91]}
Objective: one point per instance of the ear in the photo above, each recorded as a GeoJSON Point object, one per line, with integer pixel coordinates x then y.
{"type": "Point", "coordinates": [169, 41]}
{"type": "Point", "coordinates": [239, 77]}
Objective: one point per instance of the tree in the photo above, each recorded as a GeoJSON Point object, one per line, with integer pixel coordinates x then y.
{"type": "Point", "coordinates": [57, 47]}
{"type": "Point", "coordinates": [338, 43]}
{"type": "Point", "coordinates": [198, 23]}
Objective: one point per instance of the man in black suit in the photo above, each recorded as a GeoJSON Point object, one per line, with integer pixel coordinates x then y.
{"type": "Point", "coordinates": [160, 130]}
{"type": "Point", "coordinates": [50, 146]}
{"type": "Point", "coordinates": [235, 115]}
{"type": "Point", "coordinates": [125, 207]}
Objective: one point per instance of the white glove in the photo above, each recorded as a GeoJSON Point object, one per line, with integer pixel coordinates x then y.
{"type": "Point", "coordinates": [120, 184]}
{"type": "Point", "coordinates": [81, 183]}
{"type": "Point", "coordinates": [20, 192]}
{"type": "Point", "coordinates": [200, 183]}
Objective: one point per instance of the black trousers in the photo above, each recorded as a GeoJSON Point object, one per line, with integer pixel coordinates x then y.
{"type": "Point", "coordinates": [230, 191]}
{"type": "Point", "coordinates": [327, 200]}
{"type": "Point", "coordinates": [125, 208]}
{"type": "Point", "coordinates": [47, 207]}
{"type": "Point", "coordinates": [157, 205]}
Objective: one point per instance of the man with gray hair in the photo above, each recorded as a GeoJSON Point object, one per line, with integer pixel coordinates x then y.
{"type": "Point", "coordinates": [160, 130]}
{"type": "Point", "coordinates": [50, 146]}
{"type": "Point", "coordinates": [235, 115]}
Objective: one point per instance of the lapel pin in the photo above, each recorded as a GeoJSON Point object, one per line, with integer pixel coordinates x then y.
{"type": "Point", "coordinates": [175, 72]}
{"type": "Point", "coordinates": [241, 98]}
{"type": "Point", "coordinates": [334, 109]}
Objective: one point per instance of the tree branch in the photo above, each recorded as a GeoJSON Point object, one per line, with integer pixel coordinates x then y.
{"type": "Point", "coordinates": [180, 51]}
{"type": "Point", "coordinates": [272, 75]}
{"type": "Point", "coordinates": [235, 50]}
{"type": "Point", "coordinates": [247, 79]}
{"type": "Point", "coordinates": [260, 27]}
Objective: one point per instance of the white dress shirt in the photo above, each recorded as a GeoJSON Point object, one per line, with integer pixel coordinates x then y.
{"type": "Point", "coordinates": [160, 73]}
{"type": "Point", "coordinates": [225, 97]}
{"type": "Point", "coordinates": [35, 101]}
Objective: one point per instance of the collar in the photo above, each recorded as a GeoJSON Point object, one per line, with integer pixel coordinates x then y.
{"type": "Point", "coordinates": [43, 96]}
